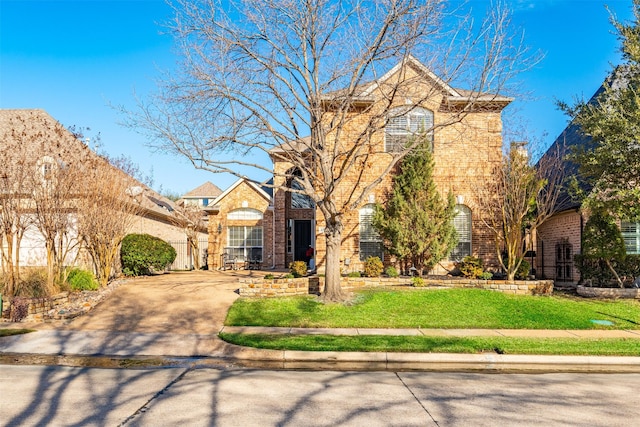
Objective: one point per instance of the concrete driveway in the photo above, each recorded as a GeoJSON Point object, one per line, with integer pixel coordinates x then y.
{"type": "Point", "coordinates": [194, 302]}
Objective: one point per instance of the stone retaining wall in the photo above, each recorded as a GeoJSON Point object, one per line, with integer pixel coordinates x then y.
{"type": "Point", "coordinates": [256, 287]}
{"type": "Point", "coordinates": [589, 292]}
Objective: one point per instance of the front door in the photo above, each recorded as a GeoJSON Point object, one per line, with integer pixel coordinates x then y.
{"type": "Point", "coordinates": [302, 239]}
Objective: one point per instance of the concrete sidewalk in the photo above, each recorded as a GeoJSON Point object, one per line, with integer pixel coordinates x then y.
{"type": "Point", "coordinates": [208, 349]}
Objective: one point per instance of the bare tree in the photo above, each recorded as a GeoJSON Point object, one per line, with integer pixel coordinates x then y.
{"type": "Point", "coordinates": [53, 194]}
{"type": "Point", "coordinates": [522, 197]}
{"type": "Point", "coordinates": [299, 81]}
{"type": "Point", "coordinates": [16, 168]}
{"type": "Point", "coordinates": [190, 218]}
{"type": "Point", "coordinates": [106, 209]}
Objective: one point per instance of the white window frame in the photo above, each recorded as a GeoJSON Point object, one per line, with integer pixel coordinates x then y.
{"type": "Point", "coordinates": [245, 214]}
{"type": "Point", "coordinates": [403, 124]}
{"type": "Point", "coordinates": [462, 222]}
{"type": "Point", "coordinates": [243, 243]}
{"type": "Point", "coordinates": [631, 236]}
{"type": "Point", "coordinates": [370, 242]}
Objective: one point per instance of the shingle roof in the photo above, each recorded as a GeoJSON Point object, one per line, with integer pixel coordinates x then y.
{"type": "Point", "coordinates": [208, 190]}
{"type": "Point", "coordinates": [39, 121]}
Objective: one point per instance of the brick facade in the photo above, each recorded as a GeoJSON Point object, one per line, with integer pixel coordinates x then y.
{"type": "Point", "coordinates": [555, 237]}
{"type": "Point", "coordinates": [466, 148]}
{"type": "Point", "coordinates": [241, 195]}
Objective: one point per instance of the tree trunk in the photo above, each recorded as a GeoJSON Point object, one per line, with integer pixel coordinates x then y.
{"type": "Point", "coordinates": [614, 273]}
{"type": "Point", "coordinates": [195, 252]}
{"type": "Point", "coordinates": [7, 254]}
{"type": "Point", "coordinates": [332, 288]}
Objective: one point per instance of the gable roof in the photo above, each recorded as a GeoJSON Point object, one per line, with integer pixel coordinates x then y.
{"type": "Point", "coordinates": [254, 186]}
{"type": "Point", "coordinates": [206, 190]}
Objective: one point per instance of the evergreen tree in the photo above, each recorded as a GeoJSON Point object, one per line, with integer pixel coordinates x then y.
{"type": "Point", "coordinates": [603, 242]}
{"type": "Point", "coordinates": [417, 224]}
{"type": "Point", "coordinates": [610, 162]}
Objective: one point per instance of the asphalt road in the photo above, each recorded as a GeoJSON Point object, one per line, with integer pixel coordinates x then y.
{"type": "Point", "coordinates": [64, 396]}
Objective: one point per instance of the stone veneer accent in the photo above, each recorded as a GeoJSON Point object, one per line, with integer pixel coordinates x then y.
{"type": "Point", "coordinates": [257, 287]}
{"type": "Point", "coordinates": [589, 292]}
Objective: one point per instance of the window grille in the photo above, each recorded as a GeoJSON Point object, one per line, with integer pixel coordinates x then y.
{"type": "Point", "coordinates": [401, 127]}
{"type": "Point", "coordinates": [244, 242]}
{"type": "Point", "coordinates": [462, 224]}
{"type": "Point", "coordinates": [370, 242]}
{"type": "Point", "coordinates": [631, 235]}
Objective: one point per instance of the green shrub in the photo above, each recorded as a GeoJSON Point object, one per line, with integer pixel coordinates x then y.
{"type": "Point", "coordinates": [373, 267]}
{"type": "Point", "coordinates": [486, 275]}
{"type": "Point", "coordinates": [391, 271]}
{"type": "Point", "coordinates": [523, 271]}
{"type": "Point", "coordinates": [288, 276]}
{"type": "Point", "coordinates": [82, 280]}
{"type": "Point", "coordinates": [354, 274]}
{"type": "Point", "coordinates": [597, 271]}
{"type": "Point", "coordinates": [471, 267]}
{"type": "Point", "coordinates": [298, 268]}
{"type": "Point", "coordinates": [417, 282]}
{"type": "Point", "coordinates": [142, 253]}
{"type": "Point", "coordinates": [268, 276]}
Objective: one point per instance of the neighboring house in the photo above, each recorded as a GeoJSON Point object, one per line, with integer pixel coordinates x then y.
{"type": "Point", "coordinates": [241, 225]}
{"type": "Point", "coordinates": [201, 196]}
{"type": "Point", "coordinates": [45, 138]}
{"type": "Point", "coordinates": [559, 238]}
{"type": "Point", "coordinates": [286, 224]}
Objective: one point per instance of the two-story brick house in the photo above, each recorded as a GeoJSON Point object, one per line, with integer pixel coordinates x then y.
{"type": "Point", "coordinates": [465, 131]}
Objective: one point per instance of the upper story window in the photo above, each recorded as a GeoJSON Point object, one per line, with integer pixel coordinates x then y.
{"type": "Point", "coordinates": [300, 200]}
{"type": "Point", "coordinates": [245, 213]}
{"type": "Point", "coordinates": [405, 124]}
{"type": "Point", "coordinates": [46, 165]}
{"type": "Point", "coordinates": [462, 224]}
{"type": "Point", "coordinates": [631, 235]}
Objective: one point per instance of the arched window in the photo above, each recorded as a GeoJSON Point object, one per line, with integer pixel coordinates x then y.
{"type": "Point", "coordinates": [245, 213]}
{"type": "Point", "coordinates": [299, 200]}
{"type": "Point", "coordinates": [370, 241]}
{"type": "Point", "coordinates": [404, 124]}
{"type": "Point", "coordinates": [462, 224]}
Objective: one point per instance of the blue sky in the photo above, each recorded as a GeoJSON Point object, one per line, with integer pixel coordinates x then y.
{"type": "Point", "coordinates": [74, 58]}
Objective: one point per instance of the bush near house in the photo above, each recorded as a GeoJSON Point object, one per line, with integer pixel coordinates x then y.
{"type": "Point", "coordinates": [471, 267]}
{"type": "Point", "coordinates": [82, 280]}
{"type": "Point", "coordinates": [142, 253]}
{"type": "Point", "coordinates": [391, 271]}
{"type": "Point", "coordinates": [373, 267]}
{"type": "Point", "coordinates": [298, 268]}
{"type": "Point", "coordinates": [598, 273]}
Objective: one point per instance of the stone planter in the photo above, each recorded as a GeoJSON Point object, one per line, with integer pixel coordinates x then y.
{"type": "Point", "coordinates": [613, 293]}
{"type": "Point", "coordinates": [258, 287]}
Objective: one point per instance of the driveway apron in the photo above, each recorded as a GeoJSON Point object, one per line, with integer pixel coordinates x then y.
{"type": "Point", "coordinates": [193, 302]}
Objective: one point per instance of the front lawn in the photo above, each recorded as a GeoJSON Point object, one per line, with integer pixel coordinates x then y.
{"type": "Point", "coordinates": [437, 308]}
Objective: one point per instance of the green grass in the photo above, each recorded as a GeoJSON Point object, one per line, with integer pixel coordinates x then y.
{"type": "Point", "coordinates": [546, 346]}
{"type": "Point", "coordinates": [445, 308]}
{"type": "Point", "coordinates": [9, 332]}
